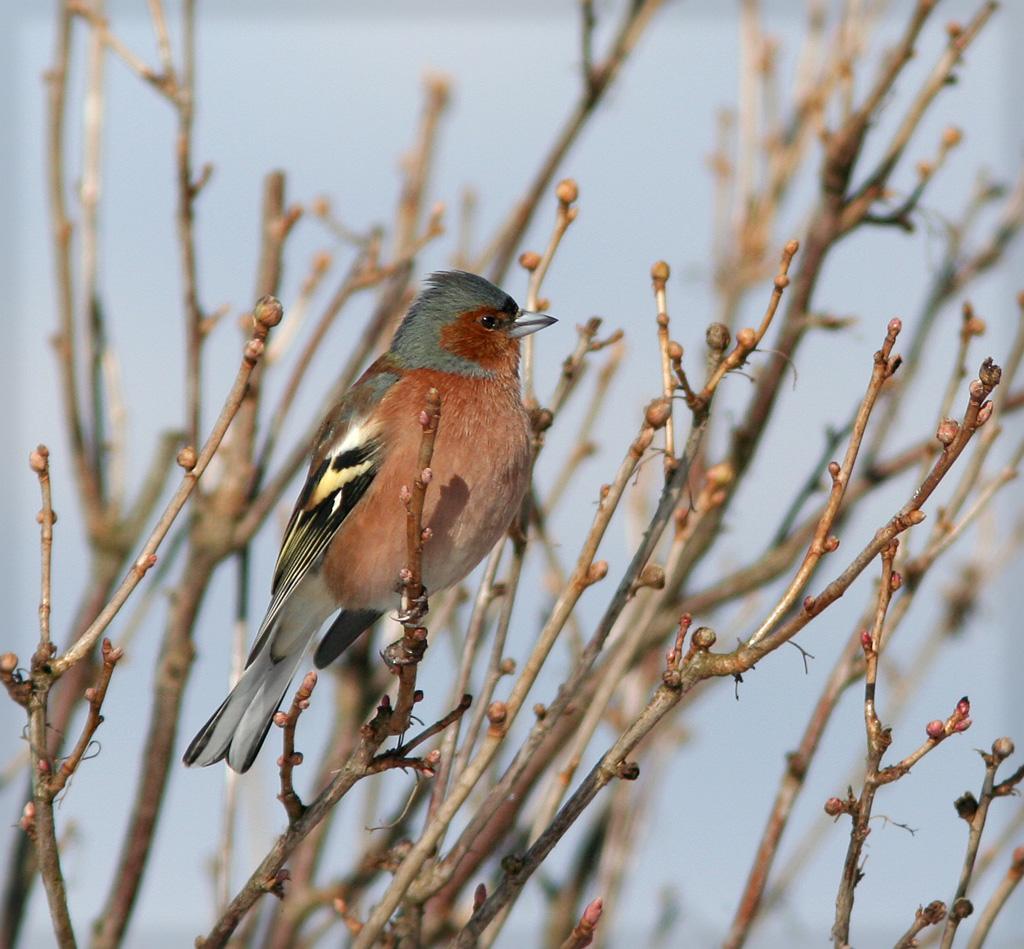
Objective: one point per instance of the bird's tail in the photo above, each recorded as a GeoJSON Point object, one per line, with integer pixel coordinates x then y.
{"type": "Point", "coordinates": [238, 728]}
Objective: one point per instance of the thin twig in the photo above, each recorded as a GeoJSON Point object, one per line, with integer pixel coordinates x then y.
{"type": "Point", "coordinates": [878, 740]}
{"type": "Point", "coordinates": [659, 277]}
{"type": "Point", "coordinates": [266, 315]}
{"type": "Point", "coordinates": [567, 193]}
{"type": "Point", "coordinates": [501, 250]}
{"type": "Point", "coordinates": [975, 812]}
{"type": "Point", "coordinates": [583, 932]}
{"type": "Point", "coordinates": [930, 915]}
{"type": "Point", "coordinates": [43, 829]}
{"type": "Point", "coordinates": [884, 366]}
{"type": "Point", "coordinates": [1014, 874]}
{"type": "Point", "coordinates": [290, 758]}
{"type": "Point", "coordinates": [94, 696]}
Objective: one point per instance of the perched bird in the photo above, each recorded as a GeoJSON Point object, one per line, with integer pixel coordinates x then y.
{"type": "Point", "coordinates": [344, 546]}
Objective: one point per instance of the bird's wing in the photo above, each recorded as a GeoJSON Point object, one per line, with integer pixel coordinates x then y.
{"type": "Point", "coordinates": [346, 458]}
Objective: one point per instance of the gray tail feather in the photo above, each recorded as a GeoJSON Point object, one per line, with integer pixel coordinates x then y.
{"type": "Point", "coordinates": [347, 627]}
{"type": "Point", "coordinates": [238, 728]}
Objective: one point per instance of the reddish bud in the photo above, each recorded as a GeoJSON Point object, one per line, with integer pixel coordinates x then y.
{"type": "Point", "coordinates": [675, 350]}
{"type": "Point", "coordinates": [187, 458]}
{"type": "Point", "coordinates": [658, 412]}
{"type": "Point", "coordinates": [497, 712]}
{"type": "Point", "coordinates": [653, 576]}
{"type": "Point", "coordinates": [721, 474]}
{"type": "Point", "coordinates": [592, 914]}
{"type": "Point", "coordinates": [895, 326]}
{"type": "Point", "coordinates": [834, 470]}
{"type": "Point", "coordinates": [479, 896]}
{"type": "Point", "coordinates": [529, 260]}
{"type": "Point", "coordinates": [866, 642]}
{"type": "Point", "coordinates": [935, 729]}
{"type": "Point", "coordinates": [567, 191]}
{"type": "Point", "coordinates": [280, 719]}
{"type": "Point", "coordinates": [947, 431]}
{"type": "Point", "coordinates": [1002, 748]}
{"type": "Point", "coordinates": [962, 908]}
{"type": "Point", "coordinates": [833, 807]}
{"type": "Point", "coordinates": [268, 312]}
{"type": "Point", "coordinates": [808, 604]}
{"type": "Point", "coordinates": [703, 637]}
{"type": "Point", "coordinates": [831, 544]}
{"type": "Point", "coordinates": [895, 581]}
{"type": "Point", "coordinates": [984, 414]}
{"type": "Point", "coordinates": [746, 339]}
{"type": "Point", "coordinates": [254, 349]}
{"type": "Point", "coordinates": [39, 459]}
{"type": "Point", "coordinates": [934, 912]}
{"type": "Point", "coordinates": [660, 271]}
{"type": "Point", "coordinates": [963, 707]}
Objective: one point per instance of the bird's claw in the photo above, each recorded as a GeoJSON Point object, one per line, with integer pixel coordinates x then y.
{"type": "Point", "coordinates": [415, 611]}
{"type": "Point", "coordinates": [406, 651]}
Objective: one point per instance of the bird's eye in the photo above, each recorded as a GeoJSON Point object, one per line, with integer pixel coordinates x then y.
{"type": "Point", "coordinates": [488, 321]}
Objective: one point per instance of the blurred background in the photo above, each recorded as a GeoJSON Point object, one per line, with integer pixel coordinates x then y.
{"type": "Point", "coordinates": [332, 96]}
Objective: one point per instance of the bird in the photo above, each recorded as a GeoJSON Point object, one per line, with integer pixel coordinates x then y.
{"type": "Point", "coordinates": [344, 546]}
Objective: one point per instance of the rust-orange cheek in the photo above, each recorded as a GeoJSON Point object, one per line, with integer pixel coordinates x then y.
{"type": "Point", "coordinates": [490, 349]}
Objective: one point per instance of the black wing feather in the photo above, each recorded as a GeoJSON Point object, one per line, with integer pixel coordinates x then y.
{"type": "Point", "coordinates": [311, 529]}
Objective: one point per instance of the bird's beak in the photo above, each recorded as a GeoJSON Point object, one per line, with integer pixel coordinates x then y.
{"type": "Point", "coordinates": [526, 323]}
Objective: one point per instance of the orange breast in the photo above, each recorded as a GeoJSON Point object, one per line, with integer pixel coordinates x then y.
{"type": "Point", "coordinates": [480, 474]}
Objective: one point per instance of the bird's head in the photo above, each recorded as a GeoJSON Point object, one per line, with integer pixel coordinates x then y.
{"type": "Point", "coordinates": [463, 323]}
